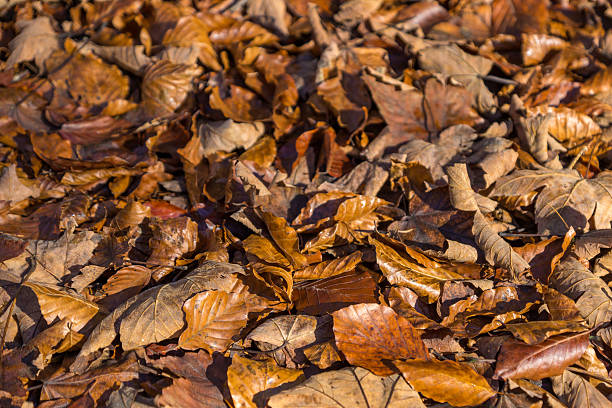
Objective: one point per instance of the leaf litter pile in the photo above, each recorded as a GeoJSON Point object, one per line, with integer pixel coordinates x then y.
{"type": "Point", "coordinates": [293, 203]}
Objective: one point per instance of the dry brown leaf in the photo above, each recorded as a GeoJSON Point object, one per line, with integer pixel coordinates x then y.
{"type": "Point", "coordinates": [288, 336]}
{"type": "Point", "coordinates": [69, 385]}
{"type": "Point", "coordinates": [213, 318]}
{"type": "Point", "coordinates": [497, 251]}
{"type": "Point", "coordinates": [536, 332]}
{"type": "Point", "coordinates": [190, 393]}
{"type": "Point", "coordinates": [36, 41]}
{"type": "Point", "coordinates": [350, 386]}
{"type": "Point", "coordinates": [369, 334]}
{"type": "Point", "coordinates": [227, 136]}
{"type": "Point", "coordinates": [446, 381]}
{"type": "Point", "coordinates": [55, 304]}
{"type": "Point", "coordinates": [353, 11]}
{"type": "Point", "coordinates": [535, 47]}
{"type": "Point", "coordinates": [464, 68]}
{"type": "Point", "coordinates": [330, 268]}
{"type": "Point", "coordinates": [577, 391]}
{"type": "Point", "coordinates": [155, 315]}
{"type": "Point", "coordinates": [165, 86]}
{"type": "Point", "coordinates": [12, 188]}
{"type": "Point", "coordinates": [248, 379]}
{"type": "Point", "coordinates": [592, 296]}
{"type": "Point", "coordinates": [285, 238]}
{"type": "Point", "coordinates": [271, 14]}
{"type": "Point", "coordinates": [325, 295]}
{"type": "Point", "coordinates": [461, 194]}
{"type": "Point", "coordinates": [565, 199]}
{"type": "Point", "coordinates": [191, 31]}
{"type": "Point", "coordinates": [546, 359]}
{"type": "Point", "coordinates": [406, 267]}
{"type": "Point", "coordinates": [171, 239]}
{"type": "Point", "coordinates": [87, 79]}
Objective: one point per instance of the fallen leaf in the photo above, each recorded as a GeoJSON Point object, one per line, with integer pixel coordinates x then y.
{"type": "Point", "coordinates": [358, 388]}
{"type": "Point", "coordinates": [249, 379]}
{"type": "Point", "coordinates": [55, 304]}
{"type": "Point", "coordinates": [497, 251]}
{"type": "Point", "coordinates": [213, 319]}
{"type": "Point", "coordinates": [409, 268]}
{"type": "Point", "coordinates": [592, 296]}
{"type": "Point", "coordinates": [546, 359]}
{"type": "Point", "coordinates": [369, 334]}
{"type": "Point", "coordinates": [446, 381]}
{"type": "Point", "coordinates": [286, 336]}
{"type": "Point", "coordinates": [153, 315]}
{"type": "Point", "coordinates": [36, 41]}
{"type": "Point", "coordinates": [325, 295]}
{"type": "Point", "coordinates": [577, 391]}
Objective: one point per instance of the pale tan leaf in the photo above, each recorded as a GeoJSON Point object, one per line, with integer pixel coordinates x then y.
{"type": "Point", "coordinates": [155, 314]}
{"type": "Point", "coordinates": [36, 41]}
{"type": "Point", "coordinates": [352, 387]}
{"type": "Point", "coordinates": [55, 304]}
{"type": "Point", "coordinates": [578, 392]}
{"type": "Point", "coordinates": [462, 196]}
{"type": "Point", "coordinates": [497, 251]}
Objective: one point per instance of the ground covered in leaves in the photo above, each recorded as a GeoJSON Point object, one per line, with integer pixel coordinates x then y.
{"type": "Point", "coordinates": [293, 203]}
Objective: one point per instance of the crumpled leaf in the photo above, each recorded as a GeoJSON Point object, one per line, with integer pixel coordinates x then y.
{"type": "Point", "coordinates": [592, 296]}
{"type": "Point", "coordinates": [538, 331]}
{"type": "Point", "coordinates": [412, 115]}
{"type": "Point", "coordinates": [577, 391]}
{"type": "Point", "coordinates": [36, 41]}
{"type": "Point", "coordinates": [271, 14]}
{"type": "Point", "coordinates": [12, 189]}
{"type": "Point", "coordinates": [565, 199]}
{"type": "Point", "coordinates": [171, 239]}
{"type": "Point", "coordinates": [461, 194]}
{"type": "Point", "coordinates": [69, 385]}
{"type": "Point", "coordinates": [228, 136]}
{"type": "Point", "coordinates": [497, 251]}
{"type": "Point", "coordinates": [87, 79]}
{"type": "Point", "coordinates": [287, 336]}
{"type": "Point", "coordinates": [407, 267]}
{"type": "Point", "coordinates": [464, 68]}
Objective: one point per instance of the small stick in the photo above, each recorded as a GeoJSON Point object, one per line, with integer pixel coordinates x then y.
{"type": "Point", "coordinates": [575, 160]}
{"type": "Point", "coordinates": [503, 81]}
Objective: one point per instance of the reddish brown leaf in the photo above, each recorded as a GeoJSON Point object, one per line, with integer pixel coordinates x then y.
{"type": "Point", "coordinates": [369, 334]}
{"type": "Point", "coordinates": [548, 358]}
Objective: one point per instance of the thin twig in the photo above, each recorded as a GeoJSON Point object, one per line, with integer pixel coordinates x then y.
{"type": "Point", "coordinates": [575, 160]}
{"type": "Point", "coordinates": [525, 235]}
{"type": "Point", "coordinates": [499, 80]}
{"type": "Point", "coordinates": [285, 342]}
